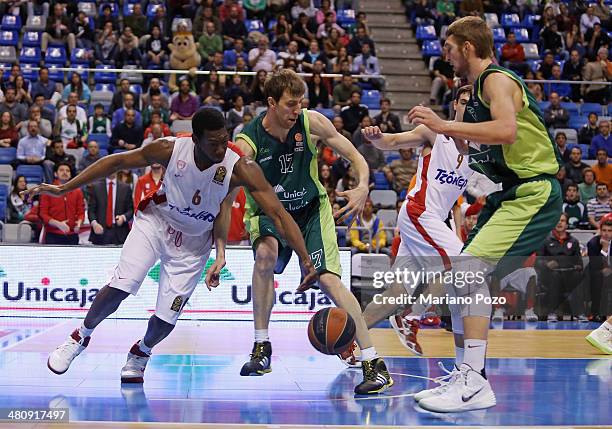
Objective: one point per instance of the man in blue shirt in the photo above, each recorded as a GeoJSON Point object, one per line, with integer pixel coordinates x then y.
{"type": "Point", "coordinates": [44, 85]}
{"type": "Point", "coordinates": [32, 148]}
{"type": "Point", "coordinates": [563, 89]}
{"type": "Point", "coordinates": [603, 140]}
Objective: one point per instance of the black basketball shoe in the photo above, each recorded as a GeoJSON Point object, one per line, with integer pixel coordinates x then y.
{"type": "Point", "coordinates": [261, 358]}
{"type": "Point", "coordinates": [376, 378]}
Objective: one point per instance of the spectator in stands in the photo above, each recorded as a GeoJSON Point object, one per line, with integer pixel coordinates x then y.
{"type": "Point", "coordinates": [561, 176]}
{"type": "Point", "coordinates": [99, 123]}
{"type": "Point", "coordinates": [55, 157]}
{"type": "Point", "coordinates": [156, 49]}
{"type": "Point", "coordinates": [544, 71]}
{"type": "Point", "coordinates": [564, 20]}
{"type": "Point", "coordinates": [535, 88]}
{"type": "Point", "coordinates": [343, 92]}
{"type": "Point", "coordinates": [236, 87]}
{"type": "Point", "coordinates": [357, 137]}
{"type": "Point", "coordinates": [471, 7]}
{"type": "Point", "coordinates": [71, 131]}
{"type": "Point", "coordinates": [304, 31]}
{"type": "Point", "coordinates": [354, 46]}
{"type": "Point", "coordinates": [148, 183]}
{"type": "Point", "coordinates": [225, 9]}
{"type": "Point", "coordinates": [312, 55]}
{"type": "Point", "coordinates": [17, 207]}
{"type": "Point", "coordinates": [342, 62]}
{"type": "Point", "coordinates": [588, 20]}
{"type": "Point", "coordinates": [15, 71]}
{"type": "Point", "coordinates": [58, 29]}
{"type": "Point", "coordinates": [160, 20]}
{"type": "Point", "coordinates": [595, 38]}
{"type": "Point", "coordinates": [155, 132]}
{"type": "Point", "coordinates": [599, 206]}
{"type": "Point", "coordinates": [154, 89]}
{"type": "Point", "coordinates": [600, 268]}
{"type": "Point", "coordinates": [155, 107]}
{"type": "Point", "coordinates": [373, 156]}
{"type": "Point", "coordinates": [305, 7]}
{"type": "Point", "coordinates": [442, 78]}
{"type": "Point", "coordinates": [32, 148]}
{"type": "Point", "coordinates": [339, 126]}
{"type": "Point", "coordinates": [282, 32]}
{"type": "Point", "coordinates": [445, 11]}
{"type": "Point", "coordinates": [577, 215]}
{"type": "Point", "coordinates": [555, 115]}
{"type": "Point", "coordinates": [572, 70]}
{"type": "Point", "coordinates": [63, 215]}
{"type": "Point", "coordinates": [184, 105]}
{"type": "Point", "coordinates": [117, 101]}
{"type": "Point", "coordinates": [513, 55]}
{"type": "Point", "coordinates": [8, 133]}
{"type": "Point", "coordinates": [326, 27]}
{"type": "Point", "coordinates": [21, 91]}
{"type": "Point", "coordinates": [10, 104]}
{"type": "Point", "coordinates": [551, 39]}
{"type": "Point", "coordinates": [588, 130]}
{"type": "Point", "coordinates": [47, 110]}
{"type": "Point", "coordinates": [387, 121]}
{"type": "Point", "coordinates": [561, 267]}
{"type": "Point", "coordinates": [233, 27]}
{"type": "Point", "coordinates": [353, 113]}
{"type": "Point", "coordinates": [128, 49]}
{"type": "Point", "coordinates": [575, 166]}
{"type": "Point", "coordinates": [561, 141]}
{"type": "Point", "coordinates": [44, 86]}
{"type": "Point", "coordinates": [216, 63]}
{"type": "Point", "coordinates": [317, 92]}
{"type": "Point", "coordinates": [107, 47]}
{"type": "Point", "coordinates": [137, 21]}
{"type": "Point", "coordinates": [603, 170]}
{"type": "Point", "coordinates": [246, 118]}
{"type": "Point", "coordinates": [261, 57]}
{"type": "Point", "coordinates": [332, 44]}
{"type": "Point", "coordinates": [212, 90]}
{"type": "Point", "coordinates": [73, 100]}
{"type": "Point", "coordinates": [574, 39]}
{"type": "Point", "coordinates": [209, 42]}
{"type": "Point", "coordinates": [603, 140]}
{"type": "Point", "coordinates": [292, 52]}
{"type": "Point", "coordinates": [110, 209]}
{"type": "Point", "coordinates": [598, 70]}
{"type": "Point", "coordinates": [77, 85]}
{"type": "Point", "coordinates": [562, 89]}
{"type": "Point", "coordinates": [236, 113]}
{"type": "Point", "coordinates": [128, 104]}
{"type": "Point", "coordinates": [44, 126]}
{"type": "Point", "coordinates": [199, 24]}
{"type": "Point", "coordinates": [366, 63]}
{"type": "Point", "coordinates": [107, 17]}
{"type": "Point", "coordinates": [400, 171]}
{"type": "Point", "coordinates": [376, 233]}
{"type": "Point", "coordinates": [602, 11]}
{"type": "Point", "coordinates": [230, 56]}
{"type": "Point", "coordinates": [127, 135]}
{"type": "Point", "coordinates": [156, 119]}
{"type": "Point", "coordinates": [83, 32]}
{"type": "Point", "coordinates": [362, 22]}
{"type": "Point", "coordinates": [588, 188]}
{"type": "Point", "coordinates": [90, 155]}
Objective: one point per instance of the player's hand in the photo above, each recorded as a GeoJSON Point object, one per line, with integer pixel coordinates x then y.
{"type": "Point", "coordinates": [310, 276]}
{"type": "Point", "coordinates": [424, 115]}
{"type": "Point", "coordinates": [43, 188]}
{"type": "Point", "coordinates": [373, 134]}
{"type": "Point", "coordinates": [214, 273]}
{"type": "Point", "coordinates": [356, 199]}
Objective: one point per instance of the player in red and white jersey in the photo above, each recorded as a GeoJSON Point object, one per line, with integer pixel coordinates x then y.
{"type": "Point", "coordinates": [427, 243]}
{"type": "Point", "coordinates": [176, 225]}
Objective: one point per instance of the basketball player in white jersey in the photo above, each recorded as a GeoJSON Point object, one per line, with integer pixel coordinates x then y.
{"type": "Point", "coordinates": [176, 224]}
{"type": "Point", "coordinates": [427, 243]}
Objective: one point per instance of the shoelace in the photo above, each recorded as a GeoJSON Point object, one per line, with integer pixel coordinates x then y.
{"type": "Point", "coordinates": [258, 352]}
{"type": "Point", "coordinates": [449, 378]}
{"type": "Point", "coordinates": [137, 362]}
{"type": "Point", "coordinates": [369, 372]}
{"type": "Point", "coordinates": [72, 346]}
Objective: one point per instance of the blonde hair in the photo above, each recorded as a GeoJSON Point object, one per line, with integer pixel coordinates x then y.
{"type": "Point", "coordinates": [476, 31]}
{"type": "Point", "coordinates": [281, 81]}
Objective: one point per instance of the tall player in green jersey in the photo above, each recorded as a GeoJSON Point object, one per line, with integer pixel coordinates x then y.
{"type": "Point", "coordinates": [505, 136]}
{"type": "Point", "coordinates": [280, 141]}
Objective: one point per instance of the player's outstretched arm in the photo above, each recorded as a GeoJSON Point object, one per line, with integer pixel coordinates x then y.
{"type": "Point", "coordinates": [157, 152]}
{"type": "Point", "coordinates": [405, 140]}
{"type": "Point", "coordinates": [248, 174]}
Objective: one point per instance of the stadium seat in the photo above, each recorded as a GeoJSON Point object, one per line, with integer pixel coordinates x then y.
{"type": "Point", "coordinates": [499, 35]}
{"type": "Point", "coordinates": [392, 156]}
{"type": "Point", "coordinates": [113, 6]}
{"type": "Point", "coordinates": [102, 76]}
{"type": "Point", "coordinates": [5, 68]}
{"type": "Point", "coordinates": [572, 108]}
{"type": "Point", "coordinates": [371, 99]}
{"type": "Point", "coordinates": [426, 32]}
{"type": "Point", "coordinates": [576, 122]}
{"type": "Point", "coordinates": [570, 133]}
{"type": "Point", "coordinates": [17, 233]}
{"type": "Point", "coordinates": [101, 139]}
{"type": "Point", "coordinates": [254, 25]}
{"type": "Point", "coordinates": [8, 55]}
{"type": "Point", "coordinates": [498, 49]}
{"type": "Point", "coordinates": [492, 20]}
{"type": "Point", "coordinates": [128, 9]}
{"type": "Point", "coordinates": [33, 173]}
{"type": "Point", "coordinates": [176, 21]}
{"type": "Point", "coordinates": [586, 108]}
{"type": "Point", "coordinates": [7, 154]}
{"type": "Point", "coordinates": [531, 51]}
{"type": "Point", "coordinates": [181, 126]}
{"type": "Point", "coordinates": [4, 192]}
{"type": "Point", "coordinates": [36, 23]}
{"type": "Point", "coordinates": [432, 48]}
{"type": "Point", "coordinates": [522, 35]}
{"type": "Point", "coordinates": [6, 175]}
{"type": "Point", "coordinates": [103, 152]}
{"type": "Point", "coordinates": [529, 21]}
{"type": "Point", "coordinates": [56, 55]}
{"type": "Point", "coordinates": [28, 72]}
{"type": "Point", "coordinates": [11, 23]}
{"type": "Point", "coordinates": [105, 87]}
{"type": "Point", "coordinates": [81, 70]}
{"type": "Point", "coordinates": [533, 64]}
{"type": "Point", "coordinates": [79, 56]}
{"type": "Point", "coordinates": [32, 39]}
{"type": "Point", "coordinates": [134, 78]}
{"type": "Point", "coordinates": [9, 38]}
{"type": "Point", "coordinates": [383, 198]}
{"type": "Point", "coordinates": [328, 113]}
{"type": "Point", "coordinates": [345, 17]}
{"type": "Point", "coordinates": [136, 89]}
{"type": "Point", "coordinates": [151, 10]}
{"type": "Point", "coordinates": [380, 181]}
{"type": "Point", "coordinates": [585, 149]}
{"type": "Point", "coordinates": [388, 216]}
{"type": "Point", "coordinates": [510, 20]}
{"type": "Point", "coordinates": [29, 55]}
{"type": "Point", "coordinates": [88, 7]}
{"type": "Point", "coordinates": [55, 74]}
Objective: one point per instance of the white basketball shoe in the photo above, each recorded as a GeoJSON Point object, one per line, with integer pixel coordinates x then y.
{"type": "Point", "coordinates": [133, 371]}
{"type": "Point", "coordinates": [60, 359]}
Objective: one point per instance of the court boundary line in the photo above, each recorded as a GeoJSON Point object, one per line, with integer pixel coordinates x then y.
{"type": "Point", "coordinates": [44, 331]}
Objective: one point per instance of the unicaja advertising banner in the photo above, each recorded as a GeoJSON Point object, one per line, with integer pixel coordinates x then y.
{"type": "Point", "coordinates": [49, 281]}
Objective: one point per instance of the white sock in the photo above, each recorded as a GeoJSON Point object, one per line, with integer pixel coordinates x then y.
{"type": "Point", "coordinates": [144, 348]}
{"type": "Point", "coordinates": [368, 354]}
{"type": "Point", "coordinates": [474, 353]}
{"type": "Point", "coordinates": [85, 332]}
{"type": "Point", "coordinates": [261, 335]}
{"type": "Point", "coordinates": [459, 356]}
{"type": "Point", "coordinates": [607, 325]}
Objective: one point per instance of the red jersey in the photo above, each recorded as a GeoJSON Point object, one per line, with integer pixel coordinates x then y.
{"type": "Point", "coordinates": [145, 186]}
{"type": "Point", "coordinates": [69, 207]}
{"type": "Point", "coordinates": [237, 230]}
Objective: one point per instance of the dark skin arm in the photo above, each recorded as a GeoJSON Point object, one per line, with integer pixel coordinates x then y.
{"type": "Point", "coordinates": [248, 174]}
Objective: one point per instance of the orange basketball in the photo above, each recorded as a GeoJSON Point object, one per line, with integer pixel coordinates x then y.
{"type": "Point", "coordinates": [331, 330]}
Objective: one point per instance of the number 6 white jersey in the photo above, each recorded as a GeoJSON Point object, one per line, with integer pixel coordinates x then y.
{"type": "Point", "coordinates": [190, 199]}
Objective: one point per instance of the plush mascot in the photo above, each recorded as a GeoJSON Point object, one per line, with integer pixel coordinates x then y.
{"type": "Point", "coordinates": [183, 56]}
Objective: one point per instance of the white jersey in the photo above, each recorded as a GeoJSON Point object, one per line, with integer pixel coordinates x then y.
{"type": "Point", "coordinates": [188, 198]}
{"type": "Point", "coordinates": [441, 178]}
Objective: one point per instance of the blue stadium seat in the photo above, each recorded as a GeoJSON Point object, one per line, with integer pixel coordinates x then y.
{"type": "Point", "coordinates": [28, 72]}
{"type": "Point", "coordinates": [54, 73]}
{"type": "Point", "coordinates": [499, 35]}
{"type": "Point", "coordinates": [498, 49]}
{"type": "Point", "coordinates": [79, 56]}
{"type": "Point", "coordinates": [392, 157]}
{"type": "Point", "coordinates": [136, 89]}
{"type": "Point", "coordinates": [5, 70]}
{"type": "Point", "coordinates": [254, 25]}
{"type": "Point", "coordinates": [426, 32]}
{"type": "Point", "coordinates": [571, 146]}
{"type": "Point", "coordinates": [522, 35]}
{"type": "Point", "coordinates": [432, 48]}
{"type": "Point", "coordinates": [529, 21]}
{"type": "Point", "coordinates": [3, 202]}
{"type": "Point", "coordinates": [32, 173]}
{"type": "Point", "coordinates": [151, 9]}
{"type": "Point", "coordinates": [585, 149]}
{"type": "Point", "coordinates": [533, 64]}
{"type": "Point", "coordinates": [105, 87]}
{"type": "Point", "coordinates": [345, 17]}
{"type": "Point", "coordinates": [371, 99]}
{"type": "Point", "coordinates": [103, 152]}
{"type": "Point", "coordinates": [11, 23]}
{"type": "Point", "coordinates": [572, 108]}
{"type": "Point", "coordinates": [9, 38]}
{"type": "Point", "coordinates": [402, 195]}
{"type": "Point", "coordinates": [128, 9]}
{"type": "Point", "coordinates": [380, 181]}
{"type": "Point", "coordinates": [89, 8]}
{"type": "Point", "coordinates": [101, 139]}
{"type": "Point", "coordinates": [510, 20]}
{"type": "Point", "coordinates": [56, 55]}
{"type": "Point", "coordinates": [104, 77]}
{"type": "Point", "coordinates": [29, 55]}
{"type": "Point", "coordinates": [7, 154]}
{"type": "Point", "coordinates": [576, 122]}
{"type": "Point", "coordinates": [114, 8]}
{"type": "Point", "coordinates": [328, 113]}
{"type": "Point", "coordinates": [587, 108]}
{"type": "Point", "coordinates": [32, 39]}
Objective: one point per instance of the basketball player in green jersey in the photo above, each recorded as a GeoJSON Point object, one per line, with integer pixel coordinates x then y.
{"type": "Point", "coordinates": [280, 141]}
{"type": "Point", "coordinates": [505, 136]}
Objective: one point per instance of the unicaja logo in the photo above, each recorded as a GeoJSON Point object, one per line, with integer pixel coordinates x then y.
{"type": "Point", "coordinates": [225, 273]}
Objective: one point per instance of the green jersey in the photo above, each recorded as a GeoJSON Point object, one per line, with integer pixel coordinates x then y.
{"type": "Point", "coordinates": [290, 166]}
{"type": "Point", "coordinates": [532, 154]}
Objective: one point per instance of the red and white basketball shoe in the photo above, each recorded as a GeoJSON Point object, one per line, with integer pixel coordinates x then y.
{"type": "Point", "coordinates": [348, 357]}
{"type": "Point", "coordinates": [406, 330]}
{"type": "Point", "coordinates": [133, 371]}
{"type": "Point", "coordinates": [60, 359]}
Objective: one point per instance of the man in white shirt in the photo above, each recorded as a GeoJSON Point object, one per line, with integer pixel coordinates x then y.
{"type": "Point", "coordinates": [292, 52]}
{"type": "Point", "coordinates": [32, 148]}
{"type": "Point", "coordinates": [261, 57]}
{"type": "Point", "coordinates": [73, 100]}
